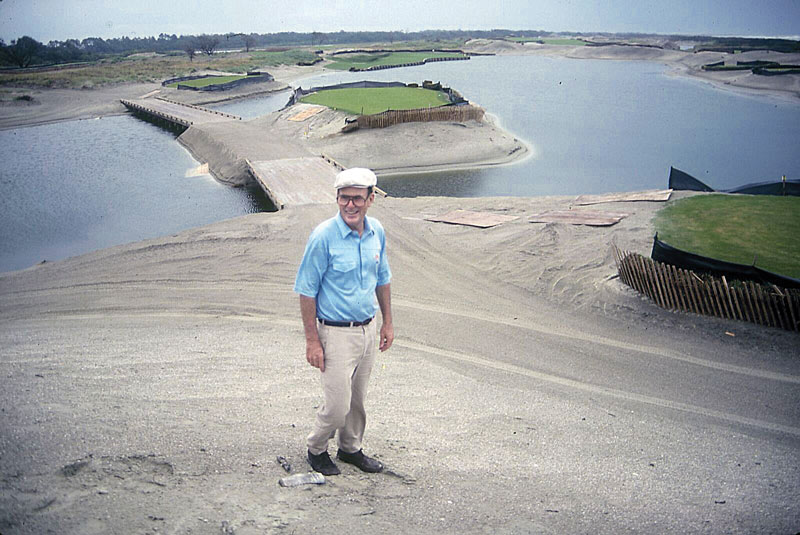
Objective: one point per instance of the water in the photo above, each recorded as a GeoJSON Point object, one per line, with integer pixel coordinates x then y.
{"type": "Point", "coordinates": [593, 126]}
{"type": "Point", "coordinates": [254, 107]}
{"type": "Point", "coordinates": [604, 126]}
{"type": "Point", "coordinates": [74, 187]}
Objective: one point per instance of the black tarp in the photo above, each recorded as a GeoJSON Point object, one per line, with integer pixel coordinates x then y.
{"type": "Point", "coordinates": [679, 180]}
{"type": "Point", "coordinates": [683, 181]}
{"type": "Point", "coordinates": [783, 188]}
{"type": "Point", "coordinates": [663, 252]}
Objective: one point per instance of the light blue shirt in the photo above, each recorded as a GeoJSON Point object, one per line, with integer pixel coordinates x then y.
{"type": "Point", "coordinates": [341, 269]}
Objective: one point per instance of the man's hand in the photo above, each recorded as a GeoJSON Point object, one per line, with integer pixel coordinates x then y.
{"type": "Point", "coordinates": [315, 355]}
{"type": "Point", "coordinates": [387, 336]}
{"type": "Point", "coordinates": [384, 295]}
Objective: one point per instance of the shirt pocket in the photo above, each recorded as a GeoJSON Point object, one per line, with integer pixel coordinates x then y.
{"type": "Point", "coordinates": [343, 273]}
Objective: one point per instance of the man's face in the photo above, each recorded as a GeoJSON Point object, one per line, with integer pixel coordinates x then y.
{"type": "Point", "coordinates": [352, 214]}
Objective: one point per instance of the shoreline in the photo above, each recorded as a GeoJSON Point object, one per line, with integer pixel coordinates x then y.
{"type": "Point", "coordinates": [525, 153]}
{"type": "Point", "coordinates": [59, 105]}
{"type": "Point", "coordinates": [62, 105]}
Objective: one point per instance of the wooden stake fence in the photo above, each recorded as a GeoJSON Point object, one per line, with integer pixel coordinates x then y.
{"type": "Point", "coordinates": [443, 113]}
{"type": "Point", "coordinates": [679, 289]}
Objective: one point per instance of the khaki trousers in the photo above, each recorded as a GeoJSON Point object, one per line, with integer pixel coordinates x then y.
{"type": "Point", "coordinates": [349, 357]}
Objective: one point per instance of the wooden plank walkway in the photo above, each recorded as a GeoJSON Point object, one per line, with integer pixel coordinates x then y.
{"type": "Point", "coordinates": [296, 181]}
{"type": "Point", "coordinates": [177, 112]}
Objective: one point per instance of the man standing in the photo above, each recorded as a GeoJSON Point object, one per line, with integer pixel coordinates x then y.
{"type": "Point", "coordinates": [343, 279]}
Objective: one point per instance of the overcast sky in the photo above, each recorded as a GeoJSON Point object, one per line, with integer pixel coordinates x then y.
{"type": "Point", "coordinates": [45, 20]}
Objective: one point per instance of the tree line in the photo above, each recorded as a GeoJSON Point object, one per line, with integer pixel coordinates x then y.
{"type": "Point", "coordinates": [26, 51]}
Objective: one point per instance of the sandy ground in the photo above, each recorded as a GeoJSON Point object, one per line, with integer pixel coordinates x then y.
{"type": "Point", "coordinates": [404, 148]}
{"type": "Point", "coordinates": [150, 387]}
{"type": "Point", "coordinates": [55, 105]}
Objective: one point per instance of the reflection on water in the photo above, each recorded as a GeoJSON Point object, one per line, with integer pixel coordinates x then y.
{"type": "Point", "coordinates": [74, 187]}
{"type": "Point", "coordinates": [253, 107]}
{"type": "Point", "coordinates": [440, 184]}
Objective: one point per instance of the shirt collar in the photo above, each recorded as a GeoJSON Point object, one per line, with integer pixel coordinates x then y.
{"type": "Point", "coordinates": [344, 229]}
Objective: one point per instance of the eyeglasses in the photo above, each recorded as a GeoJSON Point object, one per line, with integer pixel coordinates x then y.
{"type": "Point", "coordinates": [358, 200]}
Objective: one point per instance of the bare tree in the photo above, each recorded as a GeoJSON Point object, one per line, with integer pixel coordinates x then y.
{"type": "Point", "coordinates": [207, 43]}
{"type": "Point", "coordinates": [248, 39]}
{"type": "Point", "coordinates": [190, 50]}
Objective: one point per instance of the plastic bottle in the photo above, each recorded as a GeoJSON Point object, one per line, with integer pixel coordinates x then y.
{"type": "Point", "coordinates": [302, 479]}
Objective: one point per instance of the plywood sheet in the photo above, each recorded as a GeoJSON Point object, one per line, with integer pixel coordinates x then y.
{"type": "Point", "coordinates": [472, 219]}
{"type": "Point", "coordinates": [650, 195]}
{"type": "Point", "coordinates": [579, 217]}
{"type": "Point", "coordinates": [306, 113]}
{"type": "Point", "coordinates": [296, 181]}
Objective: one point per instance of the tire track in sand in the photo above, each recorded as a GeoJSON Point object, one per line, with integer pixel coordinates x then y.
{"type": "Point", "coordinates": [608, 342]}
{"type": "Point", "coordinates": [594, 389]}
{"type": "Point", "coordinates": [295, 325]}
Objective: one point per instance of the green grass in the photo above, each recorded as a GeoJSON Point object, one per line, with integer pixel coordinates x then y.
{"type": "Point", "coordinates": [260, 58]}
{"type": "Point", "coordinates": [548, 41]}
{"type": "Point", "coordinates": [211, 80]}
{"type": "Point", "coordinates": [365, 60]}
{"type": "Point", "coordinates": [367, 101]}
{"type": "Point", "coordinates": [153, 69]}
{"type": "Point", "coordinates": [736, 228]}
{"type": "Point", "coordinates": [435, 44]}
{"type": "Point", "coordinates": [420, 45]}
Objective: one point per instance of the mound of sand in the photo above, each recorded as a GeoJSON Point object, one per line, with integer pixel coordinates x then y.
{"type": "Point", "coordinates": [492, 46]}
{"type": "Point", "coordinates": [404, 148]}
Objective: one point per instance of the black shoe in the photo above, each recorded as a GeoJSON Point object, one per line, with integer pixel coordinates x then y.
{"type": "Point", "coordinates": [358, 459]}
{"type": "Point", "coordinates": [322, 463]}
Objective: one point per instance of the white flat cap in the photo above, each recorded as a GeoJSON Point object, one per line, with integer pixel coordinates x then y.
{"type": "Point", "coordinates": [355, 177]}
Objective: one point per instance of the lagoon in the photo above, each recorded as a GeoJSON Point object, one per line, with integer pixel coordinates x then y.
{"type": "Point", "coordinates": [600, 126]}
{"type": "Point", "coordinates": [594, 126]}
{"type": "Point", "coordinates": [73, 187]}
